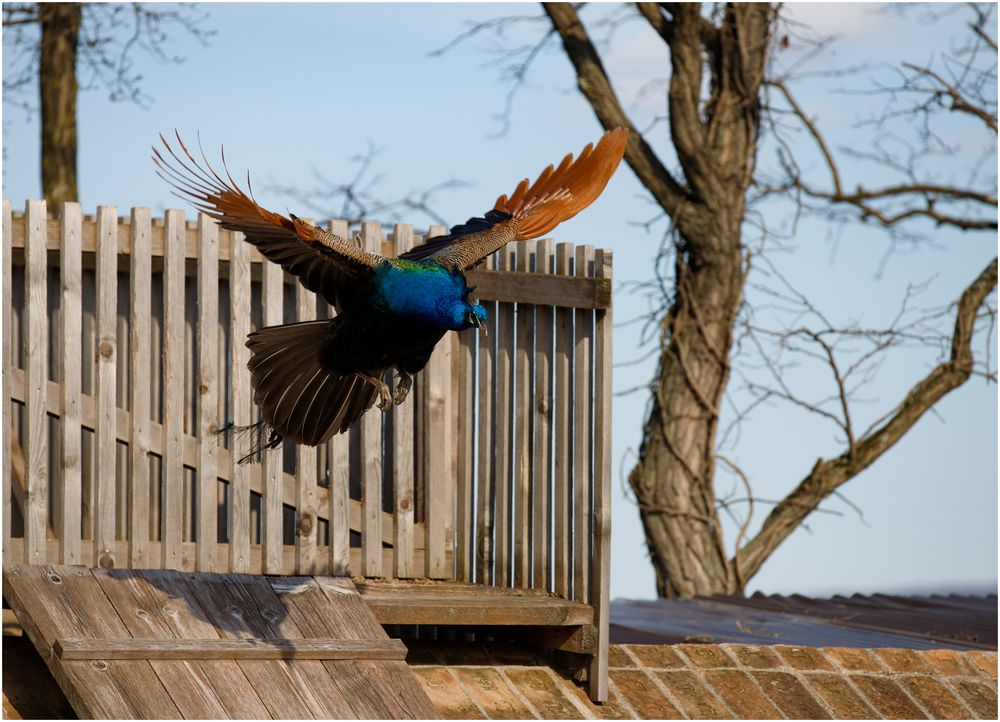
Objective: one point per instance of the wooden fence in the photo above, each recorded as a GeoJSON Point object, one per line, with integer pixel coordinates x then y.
{"type": "Point", "coordinates": [124, 353]}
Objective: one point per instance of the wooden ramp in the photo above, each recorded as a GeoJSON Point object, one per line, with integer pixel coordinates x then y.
{"type": "Point", "coordinates": [142, 644]}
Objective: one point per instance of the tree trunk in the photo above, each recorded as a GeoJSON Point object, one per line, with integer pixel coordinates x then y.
{"type": "Point", "coordinates": [57, 86]}
{"type": "Point", "coordinates": [716, 144]}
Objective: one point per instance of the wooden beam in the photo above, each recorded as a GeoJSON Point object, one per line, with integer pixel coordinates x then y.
{"type": "Point", "coordinates": [524, 287]}
{"type": "Point", "coordinates": [492, 609]}
{"type": "Point", "coordinates": [203, 649]}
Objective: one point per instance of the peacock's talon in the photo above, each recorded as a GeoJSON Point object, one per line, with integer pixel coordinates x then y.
{"type": "Point", "coordinates": [402, 388]}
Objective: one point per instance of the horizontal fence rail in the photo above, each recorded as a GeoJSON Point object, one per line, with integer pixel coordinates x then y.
{"type": "Point", "coordinates": [124, 355]}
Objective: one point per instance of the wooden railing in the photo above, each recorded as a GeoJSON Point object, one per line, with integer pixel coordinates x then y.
{"type": "Point", "coordinates": [124, 353]}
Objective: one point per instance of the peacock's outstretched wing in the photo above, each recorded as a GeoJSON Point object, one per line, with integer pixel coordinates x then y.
{"type": "Point", "coordinates": [532, 210]}
{"type": "Point", "coordinates": [322, 261]}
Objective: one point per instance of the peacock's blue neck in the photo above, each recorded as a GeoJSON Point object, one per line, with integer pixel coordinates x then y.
{"type": "Point", "coordinates": [427, 292]}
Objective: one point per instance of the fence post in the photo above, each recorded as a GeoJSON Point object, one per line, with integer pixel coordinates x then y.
{"type": "Point", "coordinates": [601, 583]}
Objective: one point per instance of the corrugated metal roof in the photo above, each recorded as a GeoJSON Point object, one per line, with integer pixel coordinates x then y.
{"type": "Point", "coordinates": [878, 620]}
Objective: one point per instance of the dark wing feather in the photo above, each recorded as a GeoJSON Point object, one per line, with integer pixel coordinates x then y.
{"type": "Point", "coordinates": [322, 261]}
{"type": "Point", "coordinates": [532, 209]}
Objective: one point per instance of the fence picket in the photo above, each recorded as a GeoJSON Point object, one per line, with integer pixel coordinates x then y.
{"type": "Point", "coordinates": [8, 364]}
{"type": "Point", "coordinates": [402, 453]}
{"type": "Point", "coordinates": [561, 492]}
{"type": "Point", "coordinates": [371, 454]}
{"type": "Point", "coordinates": [465, 471]}
{"type": "Point", "coordinates": [140, 272]}
{"type": "Point", "coordinates": [239, 319]}
{"type": "Point", "coordinates": [522, 428]}
{"type": "Point", "coordinates": [601, 580]}
{"type": "Point", "coordinates": [172, 481]}
{"type": "Point", "coordinates": [107, 359]}
{"type": "Point", "coordinates": [485, 449]}
{"type": "Point", "coordinates": [502, 507]}
{"type": "Point", "coordinates": [542, 425]}
{"type": "Point", "coordinates": [71, 331]}
{"type": "Point", "coordinates": [306, 510]}
{"type": "Point", "coordinates": [273, 298]}
{"type": "Point", "coordinates": [584, 334]}
{"type": "Point", "coordinates": [36, 355]}
{"type": "Point", "coordinates": [338, 451]}
{"type": "Point", "coordinates": [208, 390]}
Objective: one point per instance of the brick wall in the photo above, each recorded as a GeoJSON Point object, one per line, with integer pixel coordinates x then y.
{"type": "Point", "coordinates": [699, 681]}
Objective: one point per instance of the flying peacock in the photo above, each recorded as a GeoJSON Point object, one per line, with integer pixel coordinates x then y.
{"type": "Point", "coordinates": [315, 379]}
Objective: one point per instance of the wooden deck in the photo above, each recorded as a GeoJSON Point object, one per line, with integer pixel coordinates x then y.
{"type": "Point", "coordinates": [161, 644]}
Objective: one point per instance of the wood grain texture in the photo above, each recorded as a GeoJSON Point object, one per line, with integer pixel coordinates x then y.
{"type": "Point", "coordinates": [403, 455]}
{"type": "Point", "coordinates": [273, 315]}
{"type": "Point", "coordinates": [524, 287]}
{"type": "Point", "coordinates": [371, 454]}
{"type": "Point", "coordinates": [583, 332]}
{"type": "Point", "coordinates": [438, 498]}
{"type": "Point", "coordinates": [541, 453]}
{"type": "Point", "coordinates": [486, 359]}
{"type": "Point", "coordinates": [208, 391]}
{"type": "Point", "coordinates": [601, 570]}
{"type": "Point", "coordinates": [502, 432]}
{"type": "Point", "coordinates": [339, 501]}
{"type": "Point", "coordinates": [36, 350]}
{"type": "Point", "coordinates": [562, 494]}
{"type": "Point", "coordinates": [205, 649]}
{"type": "Point", "coordinates": [107, 361]}
{"type": "Point", "coordinates": [241, 415]}
{"type": "Point", "coordinates": [306, 471]}
{"type": "Point", "coordinates": [524, 323]}
{"type": "Point", "coordinates": [70, 380]}
{"type": "Point", "coordinates": [7, 282]}
{"type": "Point", "coordinates": [172, 481]}
{"type": "Point", "coordinates": [465, 549]}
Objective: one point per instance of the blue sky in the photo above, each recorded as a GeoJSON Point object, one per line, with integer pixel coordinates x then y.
{"type": "Point", "coordinates": [294, 87]}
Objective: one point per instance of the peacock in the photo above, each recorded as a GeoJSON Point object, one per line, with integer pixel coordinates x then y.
{"type": "Point", "coordinates": [315, 379]}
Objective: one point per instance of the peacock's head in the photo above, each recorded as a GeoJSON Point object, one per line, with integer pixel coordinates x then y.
{"type": "Point", "coordinates": [476, 317]}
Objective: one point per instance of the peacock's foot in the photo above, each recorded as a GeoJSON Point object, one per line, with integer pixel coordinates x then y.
{"type": "Point", "coordinates": [402, 388]}
{"type": "Point", "coordinates": [384, 395]}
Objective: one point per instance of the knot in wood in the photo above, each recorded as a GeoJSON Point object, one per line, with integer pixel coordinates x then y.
{"type": "Point", "coordinates": [100, 665]}
{"type": "Point", "coordinates": [55, 578]}
{"type": "Point", "coordinates": [107, 560]}
{"type": "Point", "coordinates": [404, 504]}
{"type": "Point", "coordinates": [107, 349]}
{"type": "Point", "coordinates": [305, 525]}
{"type": "Point", "coordinates": [203, 389]}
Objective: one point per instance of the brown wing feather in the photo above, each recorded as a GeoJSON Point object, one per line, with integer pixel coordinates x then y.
{"type": "Point", "coordinates": [323, 262]}
{"type": "Point", "coordinates": [533, 209]}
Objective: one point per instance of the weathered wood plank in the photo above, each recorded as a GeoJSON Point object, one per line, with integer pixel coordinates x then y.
{"type": "Point", "coordinates": [339, 502]}
{"type": "Point", "coordinates": [36, 349]}
{"type": "Point", "coordinates": [306, 473]}
{"type": "Point", "coordinates": [331, 608]}
{"type": "Point", "coordinates": [273, 302]}
{"type": "Point", "coordinates": [541, 456]}
{"type": "Point", "coordinates": [222, 551]}
{"type": "Point", "coordinates": [485, 450]}
{"type": "Point", "coordinates": [202, 649]}
{"type": "Point", "coordinates": [7, 281]}
{"type": "Point", "coordinates": [172, 480]}
{"type": "Point", "coordinates": [435, 457]}
{"type": "Point", "coordinates": [582, 443]}
{"type": "Point", "coordinates": [502, 435]}
{"type": "Point", "coordinates": [523, 287]}
{"type": "Point", "coordinates": [208, 391]}
{"type": "Point", "coordinates": [525, 321]}
{"type": "Point", "coordinates": [601, 571]}
{"type": "Point", "coordinates": [239, 486]}
{"type": "Point", "coordinates": [484, 611]}
{"type": "Point", "coordinates": [151, 614]}
{"type": "Point", "coordinates": [402, 454]}
{"type": "Point", "coordinates": [562, 493]}
{"type": "Point", "coordinates": [222, 601]}
{"type": "Point", "coordinates": [371, 454]}
{"type": "Point", "coordinates": [71, 364]}
{"type": "Point", "coordinates": [62, 601]}
{"type": "Point", "coordinates": [465, 549]}
{"type": "Point", "coordinates": [107, 362]}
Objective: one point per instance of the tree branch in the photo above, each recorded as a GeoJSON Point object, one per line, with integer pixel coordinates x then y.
{"type": "Point", "coordinates": [593, 82]}
{"type": "Point", "coordinates": [827, 476]}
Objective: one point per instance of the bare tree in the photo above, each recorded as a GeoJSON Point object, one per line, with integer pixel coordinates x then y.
{"type": "Point", "coordinates": [721, 96]}
{"type": "Point", "coordinates": [55, 44]}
